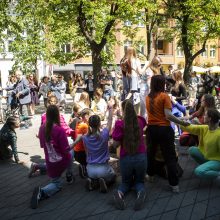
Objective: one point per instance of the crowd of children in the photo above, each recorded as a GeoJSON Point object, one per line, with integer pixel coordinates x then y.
{"type": "Point", "coordinates": [132, 129]}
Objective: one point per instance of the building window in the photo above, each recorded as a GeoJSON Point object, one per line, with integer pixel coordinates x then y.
{"type": "Point", "coordinates": [179, 52]}
{"type": "Point", "coordinates": [10, 45]}
{"type": "Point", "coordinates": [205, 54]}
{"type": "Point", "coordinates": [160, 44]}
{"type": "Point", "coordinates": [127, 23]}
{"type": "Point", "coordinates": [127, 44]}
{"type": "Point", "coordinates": [212, 51]}
{"type": "Point", "coordinates": [141, 48]}
{"type": "Point", "coordinates": [106, 49]}
{"type": "Point", "coordinates": [66, 48]}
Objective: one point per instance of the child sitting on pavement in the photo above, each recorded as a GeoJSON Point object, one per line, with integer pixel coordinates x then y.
{"type": "Point", "coordinates": [58, 155]}
{"type": "Point", "coordinates": [207, 153]}
{"type": "Point", "coordinates": [8, 138]}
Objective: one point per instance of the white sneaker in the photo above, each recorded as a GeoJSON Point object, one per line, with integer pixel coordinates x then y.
{"type": "Point", "coordinates": [175, 189]}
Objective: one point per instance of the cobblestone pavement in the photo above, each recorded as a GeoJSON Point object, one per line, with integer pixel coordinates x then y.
{"type": "Point", "coordinates": [198, 199]}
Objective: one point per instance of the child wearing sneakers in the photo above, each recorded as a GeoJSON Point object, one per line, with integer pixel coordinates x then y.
{"type": "Point", "coordinates": [128, 133]}
{"type": "Point", "coordinates": [41, 167]}
{"type": "Point", "coordinates": [53, 140]}
{"type": "Point", "coordinates": [100, 173]}
{"type": "Point", "coordinates": [79, 149]}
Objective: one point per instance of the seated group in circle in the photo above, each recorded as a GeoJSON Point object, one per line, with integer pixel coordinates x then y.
{"type": "Point", "coordinates": [135, 158]}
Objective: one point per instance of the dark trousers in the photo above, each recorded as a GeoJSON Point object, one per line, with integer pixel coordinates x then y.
{"type": "Point", "coordinates": [133, 169]}
{"type": "Point", "coordinates": [80, 157]}
{"type": "Point", "coordinates": [90, 95]}
{"type": "Point", "coordinates": [162, 136]}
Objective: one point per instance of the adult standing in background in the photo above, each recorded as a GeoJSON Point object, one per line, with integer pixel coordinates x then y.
{"type": "Point", "coordinates": [33, 92]}
{"type": "Point", "coordinates": [149, 70]}
{"type": "Point", "coordinates": [90, 86]}
{"type": "Point", "coordinates": [79, 87]}
{"type": "Point", "coordinates": [58, 88]}
{"type": "Point", "coordinates": [10, 84]}
{"type": "Point", "coordinates": [106, 84]}
{"type": "Point", "coordinates": [44, 88]}
{"type": "Point", "coordinates": [62, 88]}
{"type": "Point", "coordinates": [22, 93]}
{"type": "Point", "coordinates": [131, 66]}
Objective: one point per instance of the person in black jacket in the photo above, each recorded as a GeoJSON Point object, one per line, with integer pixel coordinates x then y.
{"type": "Point", "coordinates": [90, 86]}
{"type": "Point", "coordinates": [8, 138]}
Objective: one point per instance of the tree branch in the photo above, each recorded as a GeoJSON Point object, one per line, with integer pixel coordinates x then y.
{"type": "Point", "coordinates": [83, 24]}
{"type": "Point", "coordinates": [202, 49]}
{"type": "Point", "coordinates": [114, 8]}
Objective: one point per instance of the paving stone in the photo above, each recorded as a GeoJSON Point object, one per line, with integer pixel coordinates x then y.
{"type": "Point", "coordinates": [215, 217]}
{"type": "Point", "coordinates": [159, 206]}
{"type": "Point", "coordinates": [111, 215]}
{"type": "Point", "coordinates": [184, 213]}
{"type": "Point", "coordinates": [189, 197]}
{"type": "Point", "coordinates": [198, 199]}
{"type": "Point", "coordinates": [204, 191]}
{"type": "Point", "coordinates": [144, 212]}
{"type": "Point", "coordinates": [175, 201]}
{"type": "Point", "coordinates": [156, 217]}
{"type": "Point", "coordinates": [213, 207]}
{"type": "Point", "coordinates": [169, 215]}
{"type": "Point", "coordinates": [199, 210]}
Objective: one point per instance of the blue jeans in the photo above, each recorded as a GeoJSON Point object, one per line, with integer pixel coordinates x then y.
{"type": "Point", "coordinates": [53, 187]}
{"type": "Point", "coordinates": [103, 170]}
{"type": "Point", "coordinates": [209, 169]}
{"type": "Point", "coordinates": [133, 169]}
{"type": "Point", "coordinates": [56, 183]}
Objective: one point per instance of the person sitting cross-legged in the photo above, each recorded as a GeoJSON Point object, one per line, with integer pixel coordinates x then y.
{"type": "Point", "coordinates": [207, 153]}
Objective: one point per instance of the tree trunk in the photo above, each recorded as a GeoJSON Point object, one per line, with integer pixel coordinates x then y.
{"type": "Point", "coordinates": [149, 42]}
{"type": "Point", "coordinates": [187, 69]}
{"type": "Point", "coordinates": [97, 65]}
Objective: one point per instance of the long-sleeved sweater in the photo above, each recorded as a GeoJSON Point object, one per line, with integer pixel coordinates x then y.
{"type": "Point", "coordinates": [209, 141]}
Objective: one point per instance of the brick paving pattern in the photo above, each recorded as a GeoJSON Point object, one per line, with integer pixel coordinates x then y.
{"type": "Point", "coordinates": [198, 199]}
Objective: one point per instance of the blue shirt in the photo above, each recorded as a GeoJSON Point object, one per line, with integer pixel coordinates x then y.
{"type": "Point", "coordinates": [97, 147]}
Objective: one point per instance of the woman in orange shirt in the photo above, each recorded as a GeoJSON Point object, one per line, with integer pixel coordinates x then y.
{"type": "Point", "coordinates": [160, 132]}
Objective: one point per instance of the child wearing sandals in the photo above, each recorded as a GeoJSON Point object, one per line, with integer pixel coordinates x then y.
{"type": "Point", "coordinates": [58, 155]}
{"type": "Point", "coordinates": [100, 173]}
{"type": "Point", "coordinates": [128, 133]}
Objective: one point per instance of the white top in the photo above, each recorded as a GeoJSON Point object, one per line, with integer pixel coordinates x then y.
{"type": "Point", "coordinates": [135, 67]}
{"type": "Point", "coordinates": [100, 106]}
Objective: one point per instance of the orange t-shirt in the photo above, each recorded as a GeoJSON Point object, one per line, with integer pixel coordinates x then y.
{"type": "Point", "coordinates": [81, 128]}
{"type": "Point", "coordinates": [161, 101]}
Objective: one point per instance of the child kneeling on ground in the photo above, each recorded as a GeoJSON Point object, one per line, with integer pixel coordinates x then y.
{"type": "Point", "coordinates": [100, 173]}
{"type": "Point", "coordinates": [57, 155]}
{"type": "Point", "coordinates": [128, 133]}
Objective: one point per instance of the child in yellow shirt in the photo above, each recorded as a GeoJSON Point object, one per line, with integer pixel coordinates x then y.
{"type": "Point", "coordinates": [207, 154]}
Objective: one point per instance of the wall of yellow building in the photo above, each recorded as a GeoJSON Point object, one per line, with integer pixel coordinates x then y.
{"type": "Point", "coordinates": [169, 58]}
